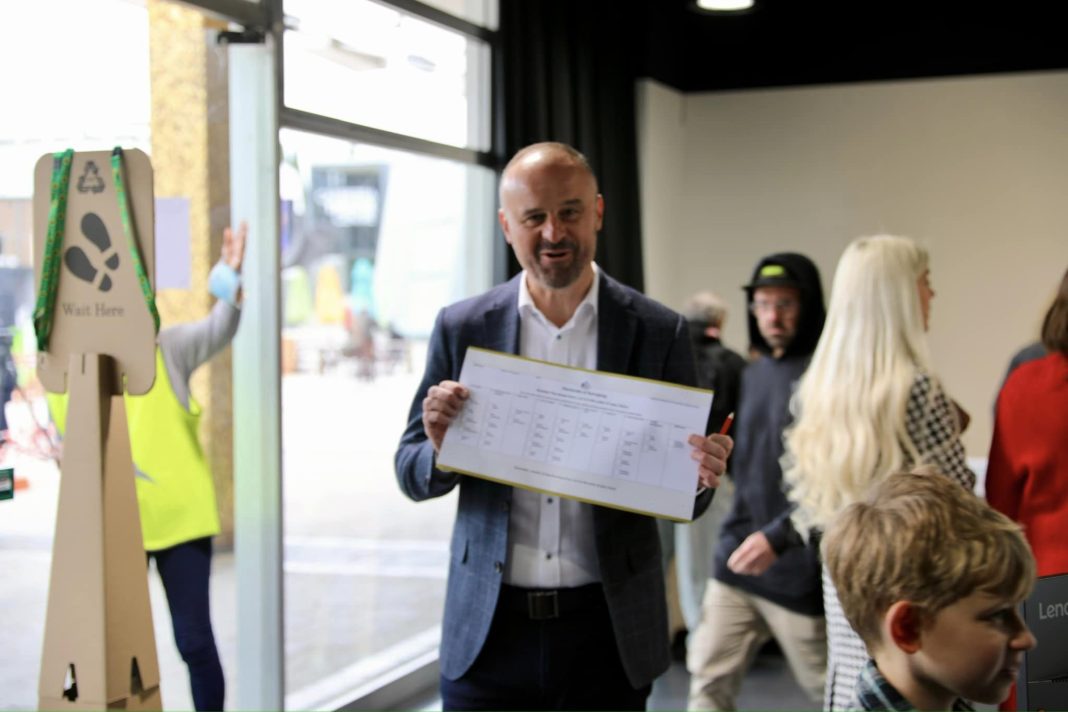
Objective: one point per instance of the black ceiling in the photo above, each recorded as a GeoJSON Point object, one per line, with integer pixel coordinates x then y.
{"type": "Point", "coordinates": [792, 42]}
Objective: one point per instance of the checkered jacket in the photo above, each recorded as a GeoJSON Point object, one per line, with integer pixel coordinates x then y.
{"type": "Point", "coordinates": [874, 692]}
{"type": "Point", "coordinates": [934, 427]}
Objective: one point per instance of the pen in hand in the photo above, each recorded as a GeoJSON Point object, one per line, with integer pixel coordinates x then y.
{"type": "Point", "coordinates": [727, 422]}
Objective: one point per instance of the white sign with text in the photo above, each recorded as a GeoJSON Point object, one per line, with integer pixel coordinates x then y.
{"type": "Point", "coordinates": [604, 438]}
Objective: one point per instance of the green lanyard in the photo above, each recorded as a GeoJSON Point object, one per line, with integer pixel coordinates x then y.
{"type": "Point", "coordinates": [57, 220]}
{"type": "Point", "coordinates": [131, 236]}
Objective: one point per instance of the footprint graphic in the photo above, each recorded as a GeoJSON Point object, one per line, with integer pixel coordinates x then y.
{"type": "Point", "coordinates": [82, 268]}
{"type": "Point", "coordinates": [97, 232]}
{"type": "Point", "coordinates": [79, 263]}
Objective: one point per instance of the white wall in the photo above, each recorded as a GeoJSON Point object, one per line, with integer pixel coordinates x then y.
{"type": "Point", "coordinates": [974, 168]}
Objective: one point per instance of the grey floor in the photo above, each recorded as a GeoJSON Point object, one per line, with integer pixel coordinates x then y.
{"type": "Point", "coordinates": [768, 686]}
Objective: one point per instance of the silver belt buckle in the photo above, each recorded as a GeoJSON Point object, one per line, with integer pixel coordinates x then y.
{"type": "Point", "coordinates": [543, 605]}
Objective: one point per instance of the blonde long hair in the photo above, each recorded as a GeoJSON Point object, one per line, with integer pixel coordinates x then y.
{"type": "Point", "coordinates": [850, 406]}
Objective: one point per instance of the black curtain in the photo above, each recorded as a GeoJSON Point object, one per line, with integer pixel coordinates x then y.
{"type": "Point", "coordinates": [565, 70]}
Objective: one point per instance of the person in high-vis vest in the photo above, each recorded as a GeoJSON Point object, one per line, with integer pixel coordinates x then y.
{"type": "Point", "coordinates": [175, 491]}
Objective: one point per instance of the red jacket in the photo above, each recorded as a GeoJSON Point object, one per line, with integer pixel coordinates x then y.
{"type": "Point", "coordinates": [1027, 473]}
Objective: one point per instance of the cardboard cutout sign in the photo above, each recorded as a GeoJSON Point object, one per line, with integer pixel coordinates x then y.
{"type": "Point", "coordinates": [99, 305]}
{"type": "Point", "coordinates": [99, 648]}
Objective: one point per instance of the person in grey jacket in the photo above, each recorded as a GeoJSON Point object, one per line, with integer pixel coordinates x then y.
{"type": "Point", "coordinates": [551, 603]}
{"type": "Point", "coordinates": [766, 582]}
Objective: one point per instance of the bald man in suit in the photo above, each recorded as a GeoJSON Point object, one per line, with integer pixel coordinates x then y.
{"type": "Point", "coordinates": [551, 603]}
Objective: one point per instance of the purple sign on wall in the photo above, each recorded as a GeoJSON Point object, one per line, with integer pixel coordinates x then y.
{"type": "Point", "coordinates": [173, 259]}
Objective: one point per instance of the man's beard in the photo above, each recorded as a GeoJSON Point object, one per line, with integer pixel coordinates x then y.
{"type": "Point", "coordinates": [564, 274]}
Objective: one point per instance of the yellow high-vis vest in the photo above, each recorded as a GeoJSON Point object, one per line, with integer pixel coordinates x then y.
{"type": "Point", "coordinates": [175, 491]}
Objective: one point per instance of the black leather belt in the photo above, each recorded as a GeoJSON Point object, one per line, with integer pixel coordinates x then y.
{"type": "Point", "coordinates": [539, 604]}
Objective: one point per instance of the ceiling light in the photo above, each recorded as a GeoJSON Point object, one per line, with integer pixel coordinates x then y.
{"type": "Point", "coordinates": [724, 5]}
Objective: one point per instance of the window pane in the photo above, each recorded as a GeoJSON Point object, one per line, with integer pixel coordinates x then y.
{"type": "Point", "coordinates": [64, 87]}
{"type": "Point", "coordinates": [480, 12]}
{"type": "Point", "coordinates": [369, 64]}
{"type": "Point", "coordinates": [374, 242]}
{"type": "Point", "coordinates": [53, 98]}
{"type": "Point", "coordinates": [62, 99]}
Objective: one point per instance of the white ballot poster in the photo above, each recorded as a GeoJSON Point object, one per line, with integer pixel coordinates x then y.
{"type": "Point", "coordinates": [604, 438]}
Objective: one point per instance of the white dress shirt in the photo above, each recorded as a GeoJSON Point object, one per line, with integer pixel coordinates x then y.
{"type": "Point", "coordinates": [550, 538]}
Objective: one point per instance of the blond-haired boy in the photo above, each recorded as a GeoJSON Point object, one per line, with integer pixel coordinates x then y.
{"type": "Point", "coordinates": [931, 578]}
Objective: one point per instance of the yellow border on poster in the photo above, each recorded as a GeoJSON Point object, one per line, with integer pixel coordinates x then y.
{"type": "Point", "coordinates": [589, 370]}
{"type": "Point", "coordinates": [559, 494]}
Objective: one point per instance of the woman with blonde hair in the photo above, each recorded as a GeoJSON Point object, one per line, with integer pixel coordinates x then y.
{"type": "Point", "coordinates": [868, 405]}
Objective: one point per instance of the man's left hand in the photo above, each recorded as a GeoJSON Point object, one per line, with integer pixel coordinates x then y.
{"type": "Point", "coordinates": [711, 454]}
{"type": "Point", "coordinates": [753, 556]}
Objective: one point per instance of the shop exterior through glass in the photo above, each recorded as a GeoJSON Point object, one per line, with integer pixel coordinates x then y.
{"type": "Point", "coordinates": [371, 238]}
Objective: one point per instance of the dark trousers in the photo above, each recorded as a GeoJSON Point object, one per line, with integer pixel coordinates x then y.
{"type": "Point", "coordinates": [184, 570]}
{"type": "Point", "coordinates": [546, 654]}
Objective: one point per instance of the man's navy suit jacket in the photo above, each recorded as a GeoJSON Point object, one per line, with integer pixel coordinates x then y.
{"type": "Point", "coordinates": [635, 336]}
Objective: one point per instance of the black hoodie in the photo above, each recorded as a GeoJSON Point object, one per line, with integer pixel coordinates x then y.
{"type": "Point", "coordinates": [796, 271]}
{"type": "Point", "coordinates": [763, 413]}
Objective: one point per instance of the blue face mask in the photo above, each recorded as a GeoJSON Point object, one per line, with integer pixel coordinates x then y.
{"type": "Point", "coordinates": [224, 283]}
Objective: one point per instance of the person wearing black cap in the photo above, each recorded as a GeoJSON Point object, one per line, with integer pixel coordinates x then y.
{"type": "Point", "coordinates": [766, 581]}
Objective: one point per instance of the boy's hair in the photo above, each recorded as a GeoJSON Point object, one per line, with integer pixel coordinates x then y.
{"type": "Point", "coordinates": [922, 538]}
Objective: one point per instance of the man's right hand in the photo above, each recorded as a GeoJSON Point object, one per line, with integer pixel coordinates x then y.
{"type": "Point", "coordinates": [440, 406]}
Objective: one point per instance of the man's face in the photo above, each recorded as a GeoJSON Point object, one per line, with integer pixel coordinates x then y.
{"type": "Point", "coordinates": [973, 648]}
{"type": "Point", "coordinates": [777, 311]}
{"type": "Point", "coordinates": [550, 214]}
